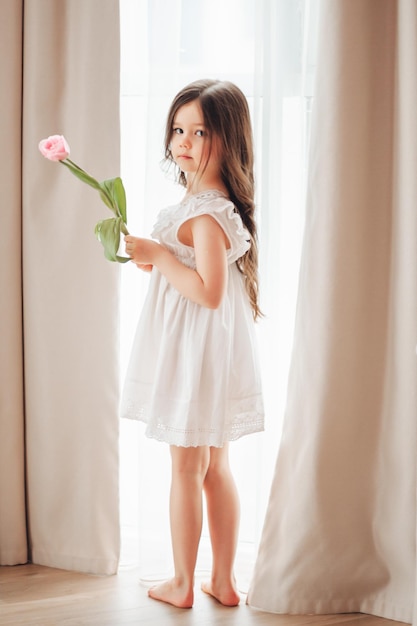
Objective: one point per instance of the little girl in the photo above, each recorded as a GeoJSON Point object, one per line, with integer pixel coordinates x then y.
{"type": "Point", "coordinates": [193, 375]}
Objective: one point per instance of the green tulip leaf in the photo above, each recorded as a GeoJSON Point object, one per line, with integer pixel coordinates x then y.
{"type": "Point", "coordinates": [104, 195]}
{"type": "Point", "coordinates": [108, 233]}
{"type": "Point", "coordinates": [113, 188]}
{"type": "Point", "coordinates": [119, 195]}
{"type": "Point", "coordinates": [113, 195]}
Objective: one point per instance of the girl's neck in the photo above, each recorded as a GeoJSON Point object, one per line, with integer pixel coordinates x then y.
{"type": "Point", "coordinates": [198, 185]}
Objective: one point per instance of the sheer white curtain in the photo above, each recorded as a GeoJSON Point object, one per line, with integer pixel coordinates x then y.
{"type": "Point", "coordinates": [267, 48]}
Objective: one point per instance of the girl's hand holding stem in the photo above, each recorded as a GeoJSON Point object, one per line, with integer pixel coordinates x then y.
{"type": "Point", "coordinates": [139, 250]}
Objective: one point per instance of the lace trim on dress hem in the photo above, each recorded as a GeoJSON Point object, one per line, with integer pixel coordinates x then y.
{"type": "Point", "coordinates": [192, 442]}
{"type": "Point", "coordinates": [203, 437]}
{"type": "Point", "coordinates": [243, 423]}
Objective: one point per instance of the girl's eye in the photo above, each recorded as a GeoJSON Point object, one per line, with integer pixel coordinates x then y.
{"type": "Point", "coordinates": [179, 131]}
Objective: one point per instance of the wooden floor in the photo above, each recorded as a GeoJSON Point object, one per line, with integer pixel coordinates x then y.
{"type": "Point", "coordinates": [33, 595]}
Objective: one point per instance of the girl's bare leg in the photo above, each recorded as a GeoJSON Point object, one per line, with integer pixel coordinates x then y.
{"type": "Point", "coordinates": [223, 517]}
{"type": "Point", "coordinates": [189, 467]}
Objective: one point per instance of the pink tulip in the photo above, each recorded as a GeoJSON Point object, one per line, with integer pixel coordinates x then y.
{"type": "Point", "coordinates": [54, 148]}
{"type": "Point", "coordinates": [112, 192]}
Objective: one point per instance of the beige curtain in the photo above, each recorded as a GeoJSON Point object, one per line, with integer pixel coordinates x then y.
{"type": "Point", "coordinates": [340, 530]}
{"type": "Point", "coordinates": [59, 314]}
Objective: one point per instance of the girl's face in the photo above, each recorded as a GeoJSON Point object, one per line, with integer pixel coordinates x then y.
{"type": "Point", "coordinates": [191, 147]}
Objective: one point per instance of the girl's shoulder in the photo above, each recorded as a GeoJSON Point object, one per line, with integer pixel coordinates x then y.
{"type": "Point", "coordinates": [216, 204]}
{"type": "Point", "coordinates": [209, 202]}
{"type": "Point", "coordinates": [212, 202]}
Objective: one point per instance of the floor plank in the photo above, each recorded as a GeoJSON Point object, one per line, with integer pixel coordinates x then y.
{"type": "Point", "coordinates": [32, 595]}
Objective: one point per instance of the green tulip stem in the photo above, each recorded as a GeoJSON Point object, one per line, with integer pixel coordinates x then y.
{"type": "Point", "coordinates": [113, 195]}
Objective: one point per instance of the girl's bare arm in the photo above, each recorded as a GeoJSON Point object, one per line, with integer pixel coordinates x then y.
{"type": "Point", "coordinates": [207, 283]}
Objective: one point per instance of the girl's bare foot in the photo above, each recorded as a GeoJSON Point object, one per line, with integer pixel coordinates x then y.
{"type": "Point", "coordinates": [172, 592]}
{"type": "Point", "coordinates": [226, 596]}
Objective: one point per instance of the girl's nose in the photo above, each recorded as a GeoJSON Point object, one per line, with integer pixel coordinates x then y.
{"type": "Point", "coordinates": [185, 141]}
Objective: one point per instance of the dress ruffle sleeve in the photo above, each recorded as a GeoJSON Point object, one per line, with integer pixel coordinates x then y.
{"type": "Point", "coordinates": [211, 203]}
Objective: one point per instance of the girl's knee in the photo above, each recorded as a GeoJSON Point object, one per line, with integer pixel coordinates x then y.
{"type": "Point", "coordinates": [190, 460]}
{"type": "Point", "coordinates": [219, 462]}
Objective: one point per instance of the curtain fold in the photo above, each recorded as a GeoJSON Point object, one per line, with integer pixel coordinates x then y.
{"type": "Point", "coordinates": [340, 529]}
{"type": "Point", "coordinates": [61, 362]}
{"type": "Point", "coordinates": [13, 548]}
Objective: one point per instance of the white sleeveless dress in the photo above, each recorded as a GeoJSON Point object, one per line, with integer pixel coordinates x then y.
{"type": "Point", "coordinates": [194, 375]}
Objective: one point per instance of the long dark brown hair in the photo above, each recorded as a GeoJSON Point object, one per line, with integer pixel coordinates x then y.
{"type": "Point", "coordinates": [226, 116]}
